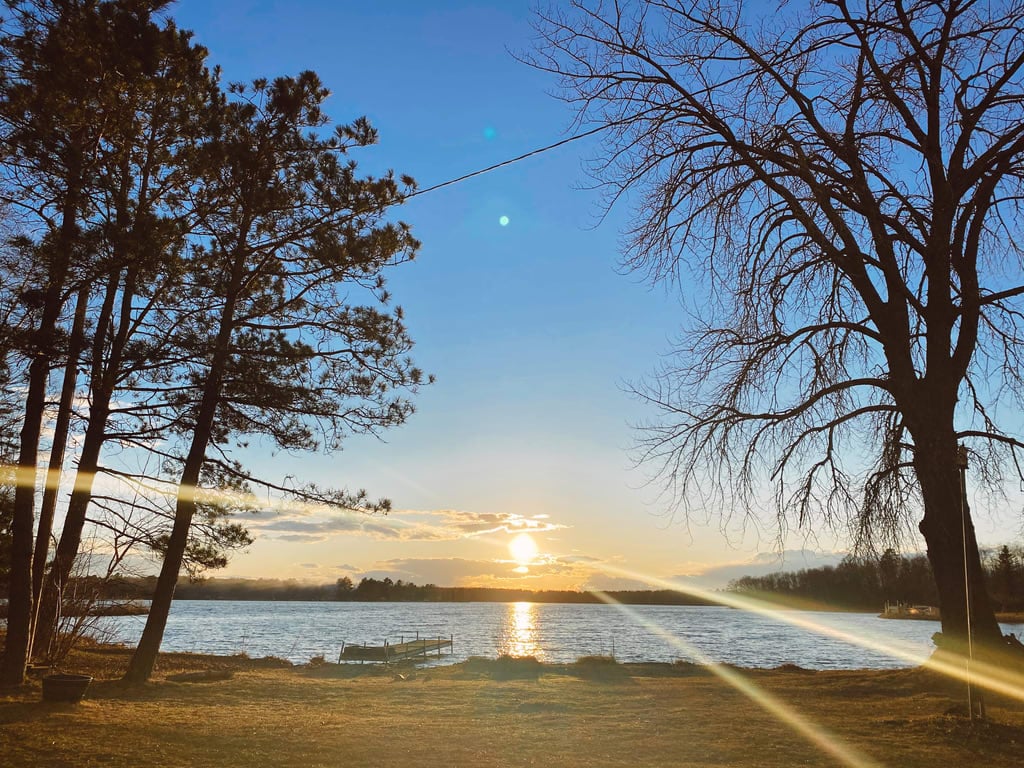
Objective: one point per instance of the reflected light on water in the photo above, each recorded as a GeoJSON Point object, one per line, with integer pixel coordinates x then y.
{"type": "Point", "coordinates": [519, 635]}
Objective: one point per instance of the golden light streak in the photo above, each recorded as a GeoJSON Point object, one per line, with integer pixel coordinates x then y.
{"type": "Point", "coordinates": [155, 489]}
{"type": "Point", "coordinates": [982, 674]}
{"type": "Point", "coordinates": [986, 675]}
{"type": "Point", "coordinates": [815, 734]}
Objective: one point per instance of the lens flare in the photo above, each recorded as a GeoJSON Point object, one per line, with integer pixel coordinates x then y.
{"type": "Point", "coordinates": [823, 739]}
{"type": "Point", "coordinates": [503, 221]}
{"type": "Point", "coordinates": [989, 676]}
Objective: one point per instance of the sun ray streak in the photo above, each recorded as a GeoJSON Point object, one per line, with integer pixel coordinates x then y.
{"type": "Point", "coordinates": [815, 734]}
{"type": "Point", "coordinates": [992, 677]}
{"type": "Point", "coordinates": [997, 679]}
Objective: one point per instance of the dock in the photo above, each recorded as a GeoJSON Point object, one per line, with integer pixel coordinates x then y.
{"type": "Point", "coordinates": [413, 648]}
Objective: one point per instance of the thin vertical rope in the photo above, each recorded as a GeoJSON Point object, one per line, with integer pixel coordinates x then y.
{"type": "Point", "coordinates": [962, 463]}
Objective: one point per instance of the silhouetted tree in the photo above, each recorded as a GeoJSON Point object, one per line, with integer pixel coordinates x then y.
{"type": "Point", "coordinates": [65, 63]}
{"type": "Point", "coordinates": [141, 183]}
{"type": "Point", "coordinates": [1005, 579]}
{"type": "Point", "coordinates": [289, 237]}
{"type": "Point", "coordinates": [889, 574]}
{"type": "Point", "coordinates": [840, 183]}
{"type": "Point", "coordinates": [343, 588]}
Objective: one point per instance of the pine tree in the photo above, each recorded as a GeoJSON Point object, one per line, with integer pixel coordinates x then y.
{"type": "Point", "coordinates": [277, 347]}
{"type": "Point", "coordinates": [142, 214]}
{"type": "Point", "coordinates": [64, 65]}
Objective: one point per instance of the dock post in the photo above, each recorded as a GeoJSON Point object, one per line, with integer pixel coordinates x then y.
{"type": "Point", "coordinates": [341, 652]}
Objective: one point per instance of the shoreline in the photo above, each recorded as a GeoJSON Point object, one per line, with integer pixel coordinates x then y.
{"type": "Point", "coordinates": [1010, 617]}
{"type": "Point", "coordinates": [232, 712]}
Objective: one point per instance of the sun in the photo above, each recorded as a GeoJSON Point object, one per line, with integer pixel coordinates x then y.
{"type": "Point", "coordinates": [523, 549]}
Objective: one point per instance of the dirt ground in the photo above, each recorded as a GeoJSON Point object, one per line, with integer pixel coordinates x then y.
{"type": "Point", "coordinates": [234, 711]}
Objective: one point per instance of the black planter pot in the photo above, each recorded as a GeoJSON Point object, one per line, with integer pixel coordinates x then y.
{"type": "Point", "coordinates": [66, 688]}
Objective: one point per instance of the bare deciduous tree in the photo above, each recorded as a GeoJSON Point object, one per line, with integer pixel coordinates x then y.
{"type": "Point", "coordinates": [842, 181]}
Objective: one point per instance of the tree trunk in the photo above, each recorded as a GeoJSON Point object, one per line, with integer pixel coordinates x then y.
{"type": "Point", "coordinates": [71, 536]}
{"type": "Point", "coordinates": [55, 466]}
{"type": "Point", "coordinates": [48, 612]}
{"type": "Point", "coordinates": [955, 563]}
{"type": "Point", "coordinates": [19, 599]}
{"type": "Point", "coordinates": [143, 660]}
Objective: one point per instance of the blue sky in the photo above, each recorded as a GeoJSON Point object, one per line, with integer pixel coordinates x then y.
{"type": "Point", "coordinates": [527, 322]}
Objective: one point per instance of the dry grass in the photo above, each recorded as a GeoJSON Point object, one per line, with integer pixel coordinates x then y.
{"type": "Point", "coordinates": [480, 713]}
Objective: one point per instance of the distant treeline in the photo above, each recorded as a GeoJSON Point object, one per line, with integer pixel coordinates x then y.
{"type": "Point", "coordinates": [854, 584]}
{"type": "Point", "coordinates": [867, 584]}
{"type": "Point", "coordinates": [376, 590]}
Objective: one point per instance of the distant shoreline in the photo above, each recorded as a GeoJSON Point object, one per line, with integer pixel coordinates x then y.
{"type": "Point", "coordinates": [1010, 617]}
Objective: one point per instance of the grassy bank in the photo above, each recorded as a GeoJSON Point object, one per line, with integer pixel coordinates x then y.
{"type": "Point", "coordinates": [491, 713]}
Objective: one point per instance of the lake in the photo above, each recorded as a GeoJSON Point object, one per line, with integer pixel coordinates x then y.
{"type": "Point", "coordinates": [552, 632]}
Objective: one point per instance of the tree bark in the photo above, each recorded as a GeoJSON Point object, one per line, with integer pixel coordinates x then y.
{"type": "Point", "coordinates": [955, 566]}
{"type": "Point", "coordinates": [143, 660]}
{"type": "Point", "coordinates": [19, 600]}
{"type": "Point", "coordinates": [140, 668]}
{"type": "Point", "coordinates": [48, 611]}
{"type": "Point", "coordinates": [55, 466]}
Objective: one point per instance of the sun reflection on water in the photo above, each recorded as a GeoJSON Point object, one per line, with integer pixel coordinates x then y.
{"type": "Point", "coordinates": [519, 635]}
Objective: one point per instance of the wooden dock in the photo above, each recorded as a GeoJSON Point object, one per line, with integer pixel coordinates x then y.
{"type": "Point", "coordinates": [419, 647]}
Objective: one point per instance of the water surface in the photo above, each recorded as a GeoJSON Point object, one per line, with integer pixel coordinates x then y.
{"type": "Point", "coordinates": [552, 632]}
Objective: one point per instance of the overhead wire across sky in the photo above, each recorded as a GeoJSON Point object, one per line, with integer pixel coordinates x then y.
{"type": "Point", "coordinates": [510, 161]}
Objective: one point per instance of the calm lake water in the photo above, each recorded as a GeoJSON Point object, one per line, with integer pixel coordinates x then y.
{"type": "Point", "coordinates": [551, 632]}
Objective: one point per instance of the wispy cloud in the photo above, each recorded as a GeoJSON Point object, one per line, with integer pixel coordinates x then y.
{"type": "Point", "coordinates": [763, 563]}
{"type": "Point", "coordinates": [306, 525]}
{"type": "Point", "coordinates": [545, 572]}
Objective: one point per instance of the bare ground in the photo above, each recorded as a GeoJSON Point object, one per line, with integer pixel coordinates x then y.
{"type": "Point", "coordinates": [234, 711]}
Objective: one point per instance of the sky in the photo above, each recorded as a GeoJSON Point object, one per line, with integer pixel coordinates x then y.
{"type": "Point", "coordinates": [517, 304]}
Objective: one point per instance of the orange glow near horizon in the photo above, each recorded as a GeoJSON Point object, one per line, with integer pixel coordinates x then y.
{"type": "Point", "coordinates": [525, 551]}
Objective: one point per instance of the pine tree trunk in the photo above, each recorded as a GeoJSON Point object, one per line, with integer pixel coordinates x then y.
{"type": "Point", "coordinates": [48, 610]}
{"type": "Point", "coordinates": [55, 467]}
{"type": "Point", "coordinates": [19, 599]}
{"type": "Point", "coordinates": [144, 659]}
{"type": "Point", "coordinates": [71, 536]}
